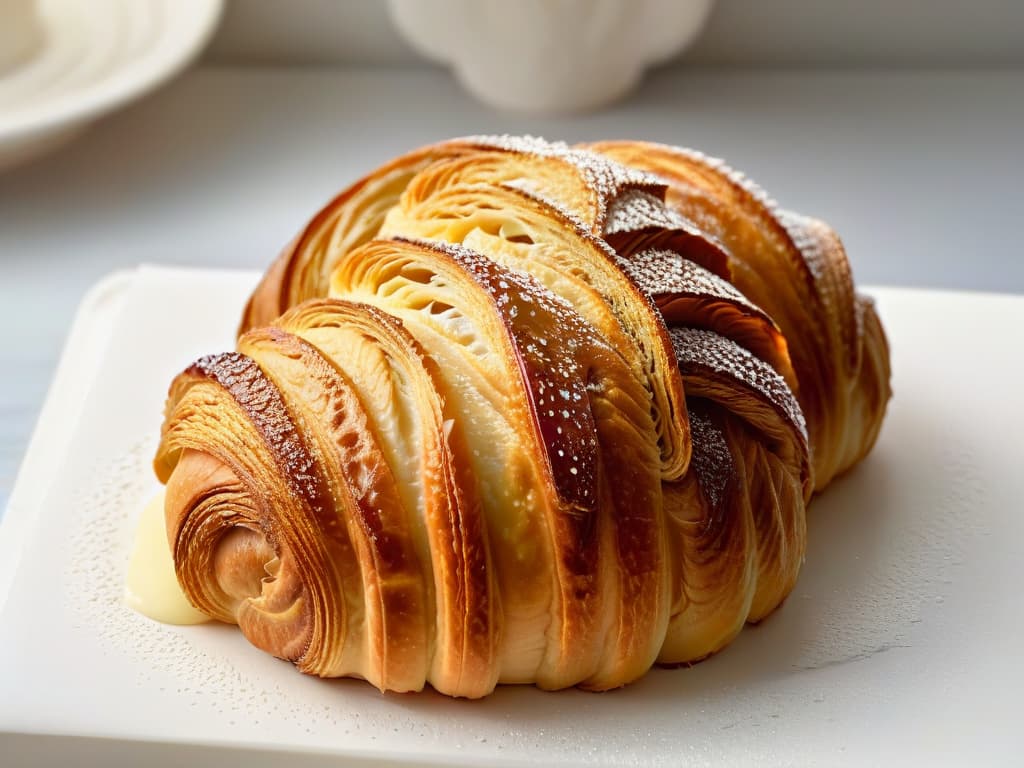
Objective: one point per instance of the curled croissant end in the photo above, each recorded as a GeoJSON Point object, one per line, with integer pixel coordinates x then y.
{"type": "Point", "coordinates": [528, 435]}
{"type": "Point", "coordinates": [530, 415]}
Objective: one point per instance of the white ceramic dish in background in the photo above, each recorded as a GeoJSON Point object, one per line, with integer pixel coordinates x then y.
{"type": "Point", "coordinates": [20, 33]}
{"type": "Point", "coordinates": [899, 645]}
{"type": "Point", "coordinates": [94, 56]}
{"type": "Point", "coordinates": [550, 55]}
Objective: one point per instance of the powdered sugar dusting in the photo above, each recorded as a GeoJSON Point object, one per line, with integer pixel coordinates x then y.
{"type": "Point", "coordinates": [639, 221]}
{"type": "Point", "coordinates": [639, 209]}
{"type": "Point", "coordinates": [659, 271]}
{"type": "Point", "coordinates": [569, 220]}
{"type": "Point", "coordinates": [264, 405]}
{"type": "Point", "coordinates": [551, 338]}
{"type": "Point", "coordinates": [739, 179]}
{"type": "Point", "coordinates": [711, 461]}
{"type": "Point", "coordinates": [798, 231]}
{"type": "Point", "coordinates": [833, 279]}
{"type": "Point", "coordinates": [606, 177]}
{"type": "Point", "coordinates": [696, 349]}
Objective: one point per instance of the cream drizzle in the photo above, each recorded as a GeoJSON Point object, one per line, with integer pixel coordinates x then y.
{"type": "Point", "coordinates": [151, 587]}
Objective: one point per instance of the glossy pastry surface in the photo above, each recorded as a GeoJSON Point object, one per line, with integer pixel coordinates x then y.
{"type": "Point", "coordinates": [514, 412]}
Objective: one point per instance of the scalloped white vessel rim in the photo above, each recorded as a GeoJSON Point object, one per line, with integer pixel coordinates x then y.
{"type": "Point", "coordinates": [899, 644]}
{"type": "Point", "coordinates": [95, 57]}
{"type": "Point", "coordinates": [554, 57]}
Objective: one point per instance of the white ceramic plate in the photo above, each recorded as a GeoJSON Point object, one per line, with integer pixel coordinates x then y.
{"type": "Point", "coordinates": [94, 57]}
{"type": "Point", "coordinates": [900, 644]}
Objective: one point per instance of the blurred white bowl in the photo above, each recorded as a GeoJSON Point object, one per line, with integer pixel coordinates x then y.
{"type": "Point", "coordinates": [93, 57]}
{"type": "Point", "coordinates": [20, 32]}
{"type": "Point", "coordinates": [549, 55]}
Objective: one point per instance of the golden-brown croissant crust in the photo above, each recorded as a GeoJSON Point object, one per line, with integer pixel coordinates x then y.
{"type": "Point", "coordinates": [508, 411]}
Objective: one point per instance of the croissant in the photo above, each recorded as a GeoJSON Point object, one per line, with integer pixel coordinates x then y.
{"type": "Point", "coordinates": [512, 412]}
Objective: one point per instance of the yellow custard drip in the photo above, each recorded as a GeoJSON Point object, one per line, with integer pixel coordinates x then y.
{"type": "Point", "coordinates": [151, 587]}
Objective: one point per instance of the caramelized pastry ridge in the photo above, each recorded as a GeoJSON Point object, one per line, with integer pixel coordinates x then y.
{"type": "Point", "coordinates": [510, 411]}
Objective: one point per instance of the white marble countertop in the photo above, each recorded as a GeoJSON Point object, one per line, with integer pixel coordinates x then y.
{"type": "Point", "coordinates": [919, 172]}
